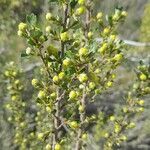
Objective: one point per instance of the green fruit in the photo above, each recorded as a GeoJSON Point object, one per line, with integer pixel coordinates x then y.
{"type": "Point", "coordinates": [99, 15]}
{"type": "Point", "coordinates": [48, 29]}
{"type": "Point", "coordinates": [92, 85]}
{"type": "Point", "coordinates": [35, 82]}
{"type": "Point", "coordinates": [55, 79]}
{"type": "Point", "coordinates": [90, 35]}
{"type": "Point", "coordinates": [81, 108]}
{"type": "Point", "coordinates": [57, 147]}
{"type": "Point", "coordinates": [48, 109]}
{"type": "Point", "coordinates": [64, 36]}
{"type": "Point", "coordinates": [20, 33]}
{"type": "Point", "coordinates": [141, 102]}
{"type": "Point", "coordinates": [80, 11]}
{"type": "Point", "coordinates": [41, 94]}
{"type": "Point", "coordinates": [81, 2]}
{"type": "Point", "coordinates": [72, 95]}
{"type": "Point", "coordinates": [112, 118]}
{"type": "Point", "coordinates": [74, 125]}
{"type": "Point", "coordinates": [22, 26]}
{"type": "Point", "coordinates": [66, 62]}
{"type": "Point", "coordinates": [83, 77]}
{"type": "Point", "coordinates": [106, 31]}
{"type": "Point", "coordinates": [109, 83]}
{"type": "Point", "coordinates": [48, 16]}
{"type": "Point", "coordinates": [118, 57]}
{"type": "Point", "coordinates": [28, 51]}
{"type": "Point", "coordinates": [124, 13]}
{"type": "Point", "coordinates": [61, 75]}
{"type": "Point", "coordinates": [113, 37]}
{"type": "Point", "coordinates": [40, 136]}
{"type": "Point", "coordinates": [103, 48]}
{"type": "Point", "coordinates": [143, 77]}
{"type": "Point", "coordinates": [84, 136]}
{"type": "Point", "coordinates": [53, 95]}
{"type": "Point", "coordinates": [83, 51]}
{"type": "Point", "coordinates": [48, 147]}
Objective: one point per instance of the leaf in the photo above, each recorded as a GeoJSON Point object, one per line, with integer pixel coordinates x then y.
{"type": "Point", "coordinates": [31, 19]}
{"type": "Point", "coordinates": [24, 55]}
{"type": "Point", "coordinates": [73, 3]}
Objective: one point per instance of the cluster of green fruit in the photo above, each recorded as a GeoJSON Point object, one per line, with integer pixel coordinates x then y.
{"type": "Point", "coordinates": [15, 105]}
{"type": "Point", "coordinates": [118, 124]}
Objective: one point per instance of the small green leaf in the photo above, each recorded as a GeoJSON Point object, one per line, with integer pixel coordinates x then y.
{"type": "Point", "coordinates": [31, 19]}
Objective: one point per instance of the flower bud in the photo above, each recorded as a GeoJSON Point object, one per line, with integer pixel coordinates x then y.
{"type": "Point", "coordinates": [80, 10]}
{"type": "Point", "coordinates": [64, 36]}
{"type": "Point", "coordinates": [57, 147]}
{"type": "Point", "coordinates": [35, 82]}
{"type": "Point", "coordinates": [99, 15]}
{"type": "Point", "coordinates": [72, 95]}
{"type": "Point", "coordinates": [48, 147]}
{"type": "Point", "coordinates": [61, 75]}
{"type": "Point", "coordinates": [48, 29]}
{"type": "Point", "coordinates": [83, 51]}
{"type": "Point", "coordinates": [41, 94]}
{"type": "Point", "coordinates": [28, 51]}
{"type": "Point", "coordinates": [48, 16]}
{"type": "Point", "coordinates": [143, 77]}
{"type": "Point", "coordinates": [66, 62]}
{"type": "Point", "coordinates": [73, 125]}
{"type": "Point", "coordinates": [55, 79]}
{"type": "Point", "coordinates": [83, 77]}
{"type": "Point", "coordinates": [81, 2]}
{"type": "Point", "coordinates": [22, 26]}
{"type": "Point", "coordinates": [20, 33]}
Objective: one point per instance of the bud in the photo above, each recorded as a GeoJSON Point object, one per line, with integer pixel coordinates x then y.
{"type": "Point", "coordinates": [55, 79]}
{"type": "Point", "coordinates": [143, 77]}
{"type": "Point", "coordinates": [72, 95]}
{"type": "Point", "coordinates": [84, 136]}
{"type": "Point", "coordinates": [20, 33]}
{"type": "Point", "coordinates": [64, 36]}
{"type": "Point", "coordinates": [112, 118]}
{"type": "Point", "coordinates": [48, 147]}
{"type": "Point", "coordinates": [73, 125]}
{"type": "Point", "coordinates": [141, 102]}
{"type": "Point", "coordinates": [81, 109]}
{"type": "Point", "coordinates": [53, 95]}
{"type": "Point", "coordinates": [40, 136]}
{"type": "Point", "coordinates": [66, 62]}
{"type": "Point", "coordinates": [61, 75]}
{"type": "Point", "coordinates": [90, 34]}
{"type": "Point", "coordinates": [109, 83]}
{"type": "Point", "coordinates": [41, 94]}
{"type": "Point", "coordinates": [91, 85]}
{"type": "Point", "coordinates": [22, 26]}
{"type": "Point", "coordinates": [48, 29]}
{"type": "Point", "coordinates": [28, 51]}
{"type": "Point", "coordinates": [35, 82]}
{"type": "Point", "coordinates": [81, 2]}
{"type": "Point", "coordinates": [80, 10]}
{"type": "Point", "coordinates": [103, 48]}
{"type": "Point", "coordinates": [83, 77]}
{"type": "Point", "coordinates": [124, 13]}
{"type": "Point", "coordinates": [48, 16]}
{"type": "Point", "coordinates": [48, 109]}
{"type": "Point", "coordinates": [106, 31]}
{"type": "Point", "coordinates": [57, 147]}
{"type": "Point", "coordinates": [118, 57]}
{"type": "Point", "coordinates": [83, 51]}
{"type": "Point", "coordinates": [99, 15]}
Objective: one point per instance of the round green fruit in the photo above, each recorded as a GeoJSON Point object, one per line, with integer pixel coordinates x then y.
{"type": "Point", "coordinates": [83, 77]}
{"type": "Point", "coordinates": [72, 95]}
